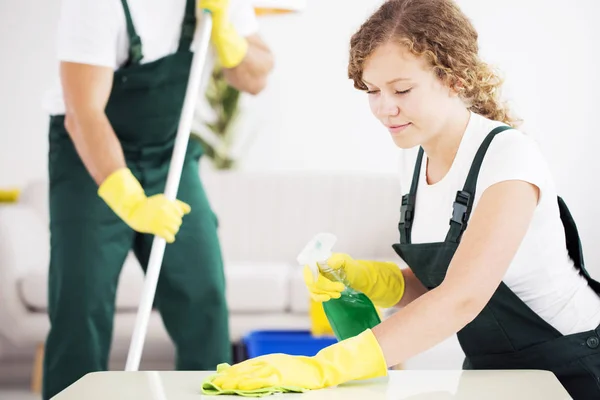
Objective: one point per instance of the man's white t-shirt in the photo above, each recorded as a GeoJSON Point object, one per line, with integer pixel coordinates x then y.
{"type": "Point", "coordinates": [95, 32]}
{"type": "Point", "coordinates": [541, 273]}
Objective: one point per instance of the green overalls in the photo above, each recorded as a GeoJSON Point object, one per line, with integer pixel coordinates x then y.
{"type": "Point", "coordinates": [89, 243]}
{"type": "Point", "coordinates": [507, 334]}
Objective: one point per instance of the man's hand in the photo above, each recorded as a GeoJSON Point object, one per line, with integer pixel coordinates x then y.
{"type": "Point", "coordinates": [251, 75]}
{"type": "Point", "coordinates": [231, 48]}
{"type": "Point", "coordinates": [247, 61]}
{"type": "Point", "coordinates": [156, 215]}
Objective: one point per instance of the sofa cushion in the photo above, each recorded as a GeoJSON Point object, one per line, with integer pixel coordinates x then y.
{"type": "Point", "coordinates": [33, 288]}
{"type": "Point", "coordinates": [270, 216]}
{"type": "Point", "coordinates": [299, 297]}
{"type": "Point", "coordinates": [258, 287]}
{"type": "Point", "coordinates": [251, 287]}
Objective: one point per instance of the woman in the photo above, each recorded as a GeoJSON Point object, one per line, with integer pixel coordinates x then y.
{"type": "Point", "coordinates": [493, 253]}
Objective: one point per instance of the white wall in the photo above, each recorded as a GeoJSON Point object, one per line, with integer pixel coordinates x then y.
{"type": "Point", "coordinates": [26, 67]}
{"type": "Point", "coordinates": [310, 117]}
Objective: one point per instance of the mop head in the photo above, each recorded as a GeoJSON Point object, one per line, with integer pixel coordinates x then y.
{"type": "Point", "coordinates": [208, 388]}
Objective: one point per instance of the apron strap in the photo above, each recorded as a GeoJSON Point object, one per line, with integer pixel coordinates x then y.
{"type": "Point", "coordinates": [461, 209]}
{"type": "Point", "coordinates": [573, 243]}
{"type": "Point", "coordinates": [135, 43]}
{"type": "Point", "coordinates": [188, 26]}
{"type": "Point", "coordinates": [407, 210]}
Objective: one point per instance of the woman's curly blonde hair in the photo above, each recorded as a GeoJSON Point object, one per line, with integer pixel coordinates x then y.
{"type": "Point", "coordinates": [439, 31]}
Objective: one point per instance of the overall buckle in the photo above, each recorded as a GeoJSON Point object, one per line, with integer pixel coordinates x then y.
{"type": "Point", "coordinates": [407, 210]}
{"type": "Point", "coordinates": [461, 207]}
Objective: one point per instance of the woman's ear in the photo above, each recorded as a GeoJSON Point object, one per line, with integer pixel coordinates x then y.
{"type": "Point", "coordinates": [456, 88]}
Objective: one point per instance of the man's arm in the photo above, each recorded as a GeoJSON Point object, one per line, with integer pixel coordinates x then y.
{"type": "Point", "coordinates": [251, 74]}
{"type": "Point", "coordinates": [86, 91]}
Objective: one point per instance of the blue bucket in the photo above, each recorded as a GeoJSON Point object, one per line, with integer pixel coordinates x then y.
{"type": "Point", "coordinates": [299, 343]}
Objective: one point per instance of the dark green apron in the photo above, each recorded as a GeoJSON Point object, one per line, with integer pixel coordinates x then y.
{"type": "Point", "coordinates": [507, 334]}
{"type": "Point", "coordinates": [89, 243]}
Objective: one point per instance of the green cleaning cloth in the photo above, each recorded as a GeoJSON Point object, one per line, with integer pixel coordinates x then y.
{"type": "Point", "coordinates": [208, 388]}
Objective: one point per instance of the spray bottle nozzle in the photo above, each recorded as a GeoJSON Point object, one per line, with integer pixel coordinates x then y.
{"type": "Point", "coordinates": [318, 249]}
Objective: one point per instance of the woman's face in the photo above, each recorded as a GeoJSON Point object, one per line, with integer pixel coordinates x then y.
{"type": "Point", "coordinates": [406, 96]}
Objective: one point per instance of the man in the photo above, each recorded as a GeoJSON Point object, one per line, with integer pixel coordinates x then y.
{"type": "Point", "coordinates": [124, 66]}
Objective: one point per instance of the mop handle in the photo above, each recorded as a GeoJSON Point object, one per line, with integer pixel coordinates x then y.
{"type": "Point", "coordinates": [172, 186]}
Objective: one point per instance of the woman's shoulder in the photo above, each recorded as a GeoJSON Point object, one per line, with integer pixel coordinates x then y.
{"type": "Point", "coordinates": [508, 146]}
{"type": "Point", "coordinates": [514, 154]}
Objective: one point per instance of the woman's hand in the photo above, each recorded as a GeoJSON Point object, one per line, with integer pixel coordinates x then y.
{"type": "Point", "coordinates": [382, 282]}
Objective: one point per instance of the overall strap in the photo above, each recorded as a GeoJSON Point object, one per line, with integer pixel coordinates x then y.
{"type": "Point", "coordinates": [407, 210]}
{"type": "Point", "coordinates": [573, 243]}
{"type": "Point", "coordinates": [135, 43]}
{"type": "Point", "coordinates": [188, 27]}
{"type": "Point", "coordinates": [463, 204]}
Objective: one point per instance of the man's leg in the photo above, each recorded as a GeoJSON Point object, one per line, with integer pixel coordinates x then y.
{"type": "Point", "coordinates": [88, 247]}
{"type": "Point", "coordinates": [191, 290]}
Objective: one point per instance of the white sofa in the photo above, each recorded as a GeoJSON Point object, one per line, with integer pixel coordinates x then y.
{"type": "Point", "coordinates": [264, 221]}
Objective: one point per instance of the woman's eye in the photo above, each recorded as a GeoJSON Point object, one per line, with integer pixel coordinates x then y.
{"type": "Point", "coordinates": [396, 92]}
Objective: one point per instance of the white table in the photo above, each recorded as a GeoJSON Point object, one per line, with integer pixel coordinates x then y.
{"type": "Point", "coordinates": [400, 385]}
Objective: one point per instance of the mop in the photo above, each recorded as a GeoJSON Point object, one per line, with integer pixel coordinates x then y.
{"type": "Point", "coordinates": [202, 41]}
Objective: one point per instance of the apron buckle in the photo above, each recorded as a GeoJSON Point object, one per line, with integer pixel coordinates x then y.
{"type": "Point", "coordinates": [407, 210]}
{"type": "Point", "coordinates": [461, 207]}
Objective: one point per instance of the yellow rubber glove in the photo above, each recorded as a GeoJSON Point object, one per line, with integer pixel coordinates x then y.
{"type": "Point", "coordinates": [382, 282]}
{"type": "Point", "coordinates": [9, 196]}
{"type": "Point", "coordinates": [155, 215]}
{"type": "Point", "coordinates": [230, 46]}
{"type": "Point", "coordinates": [357, 358]}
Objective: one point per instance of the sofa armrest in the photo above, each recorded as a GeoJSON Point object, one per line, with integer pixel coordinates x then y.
{"type": "Point", "coordinates": [24, 247]}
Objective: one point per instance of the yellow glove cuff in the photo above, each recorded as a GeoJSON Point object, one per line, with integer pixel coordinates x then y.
{"type": "Point", "coordinates": [122, 192]}
{"type": "Point", "coordinates": [230, 46]}
{"type": "Point", "coordinates": [357, 358]}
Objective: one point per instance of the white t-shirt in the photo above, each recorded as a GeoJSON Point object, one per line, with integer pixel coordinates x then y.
{"type": "Point", "coordinates": [95, 32]}
{"type": "Point", "coordinates": [541, 273]}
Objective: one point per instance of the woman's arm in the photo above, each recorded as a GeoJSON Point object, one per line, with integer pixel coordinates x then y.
{"type": "Point", "coordinates": [413, 288]}
{"type": "Point", "coordinates": [496, 228]}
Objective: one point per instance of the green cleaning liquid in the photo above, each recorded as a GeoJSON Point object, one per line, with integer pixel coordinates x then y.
{"type": "Point", "coordinates": [352, 313]}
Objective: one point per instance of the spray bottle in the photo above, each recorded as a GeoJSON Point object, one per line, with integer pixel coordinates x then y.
{"type": "Point", "coordinates": [353, 312]}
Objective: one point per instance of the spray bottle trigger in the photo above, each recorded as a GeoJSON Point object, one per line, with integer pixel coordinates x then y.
{"type": "Point", "coordinates": [318, 249]}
